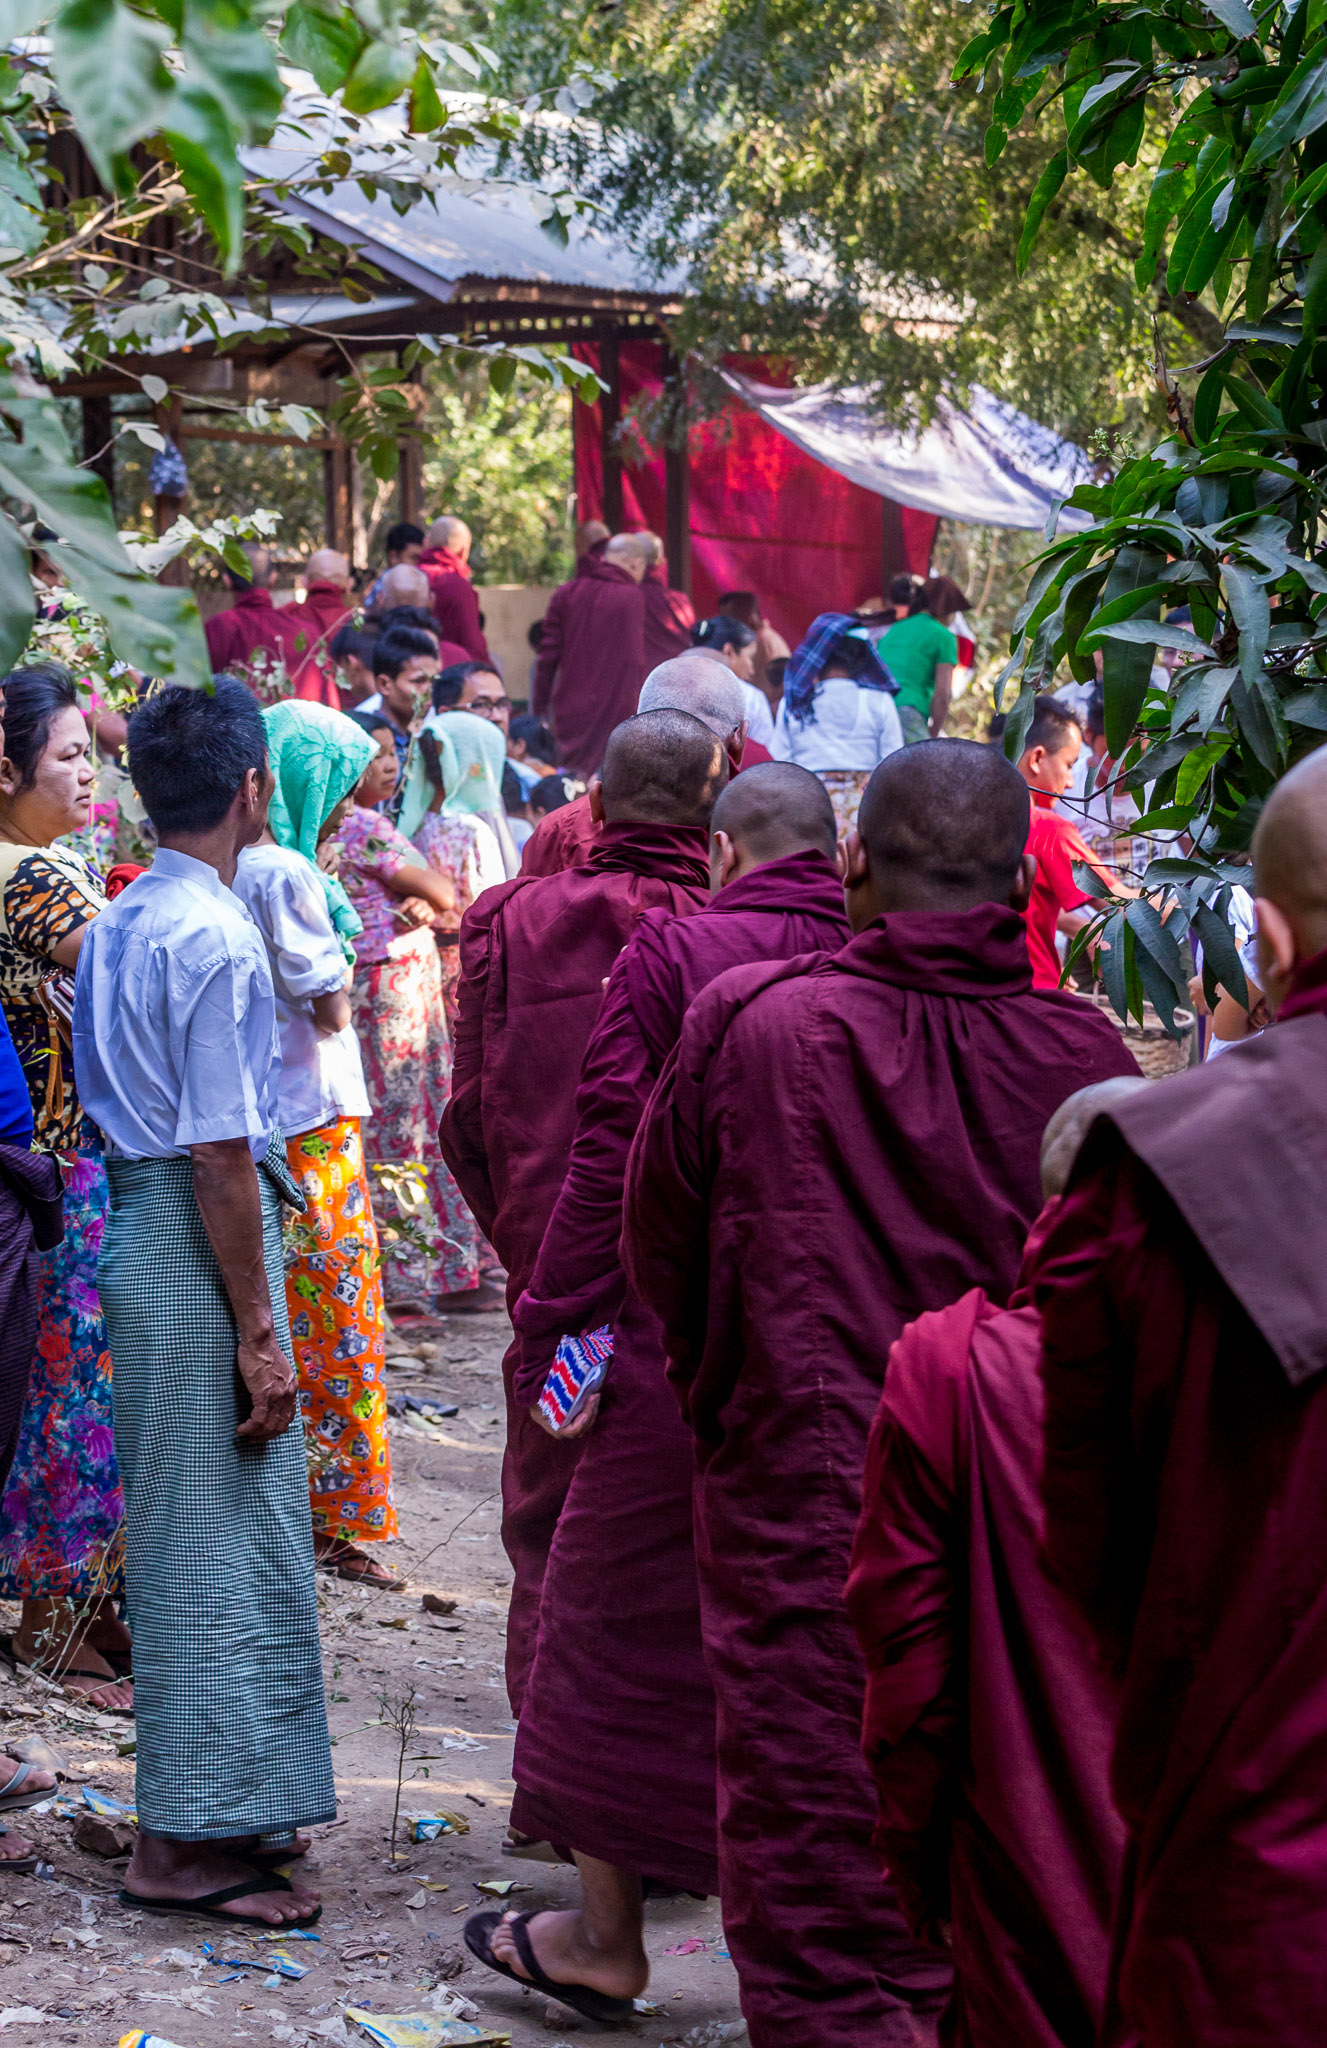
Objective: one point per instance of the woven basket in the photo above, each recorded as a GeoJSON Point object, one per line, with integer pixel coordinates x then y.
{"type": "Point", "coordinates": [1157, 1053]}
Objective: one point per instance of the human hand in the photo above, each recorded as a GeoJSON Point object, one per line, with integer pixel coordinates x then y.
{"type": "Point", "coordinates": [413, 910]}
{"type": "Point", "coordinates": [580, 1425]}
{"type": "Point", "coordinates": [270, 1379]}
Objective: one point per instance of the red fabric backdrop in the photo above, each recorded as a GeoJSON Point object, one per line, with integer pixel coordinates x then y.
{"type": "Point", "coordinates": [764, 516]}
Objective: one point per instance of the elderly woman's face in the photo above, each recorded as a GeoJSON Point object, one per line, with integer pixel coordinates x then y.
{"type": "Point", "coordinates": [59, 797]}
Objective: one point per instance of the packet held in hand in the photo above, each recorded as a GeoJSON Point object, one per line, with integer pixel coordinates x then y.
{"type": "Point", "coordinates": [579, 1368]}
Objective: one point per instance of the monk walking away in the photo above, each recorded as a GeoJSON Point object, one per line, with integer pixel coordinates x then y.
{"type": "Point", "coordinates": [619, 1654]}
{"type": "Point", "coordinates": [535, 954]}
{"type": "Point", "coordinates": [988, 1721]}
{"type": "Point", "coordinates": [1184, 1304]}
{"type": "Point", "coordinates": [837, 1146]}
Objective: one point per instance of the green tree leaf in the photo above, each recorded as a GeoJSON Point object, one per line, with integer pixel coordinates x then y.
{"type": "Point", "coordinates": [108, 62]}
{"type": "Point", "coordinates": [381, 75]}
{"type": "Point", "coordinates": [325, 44]}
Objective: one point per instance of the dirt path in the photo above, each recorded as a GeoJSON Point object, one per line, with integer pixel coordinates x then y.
{"type": "Point", "coordinates": [75, 1966]}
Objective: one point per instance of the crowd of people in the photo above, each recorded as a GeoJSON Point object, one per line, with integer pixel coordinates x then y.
{"type": "Point", "coordinates": [910, 1480]}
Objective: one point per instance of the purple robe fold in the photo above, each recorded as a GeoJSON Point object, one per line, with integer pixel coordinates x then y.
{"type": "Point", "coordinates": [619, 1655]}
{"type": "Point", "coordinates": [988, 1723]}
{"type": "Point", "coordinates": [1183, 1294]}
{"type": "Point", "coordinates": [534, 956]}
{"type": "Point", "coordinates": [833, 1149]}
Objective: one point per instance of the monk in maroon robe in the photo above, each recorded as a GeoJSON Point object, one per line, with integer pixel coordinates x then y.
{"type": "Point", "coordinates": [535, 953]}
{"type": "Point", "coordinates": [988, 1723]}
{"type": "Point", "coordinates": [591, 660]}
{"type": "Point", "coordinates": [690, 682]}
{"type": "Point", "coordinates": [835, 1148]}
{"type": "Point", "coordinates": [325, 609]}
{"type": "Point", "coordinates": [445, 563]}
{"type": "Point", "coordinates": [252, 632]}
{"type": "Point", "coordinates": [1184, 1303]}
{"type": "Point", "coordinates": [619, 1654]}
{"type": "Point", "coordinates": [669, 615]}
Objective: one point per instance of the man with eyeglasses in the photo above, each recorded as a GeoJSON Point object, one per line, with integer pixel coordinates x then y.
{"type": "Point", "coordinates": [481, 691]}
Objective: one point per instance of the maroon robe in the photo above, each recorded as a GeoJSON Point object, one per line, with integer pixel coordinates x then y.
{"type": "Point", "coordinates": [619, 1655]}
{"type": "Point", "coordinates": [534, 956]}
{"type": "Point", "coordinates": [564, 839]}
{"type": "Point", "coordinates": [591, 660]}
{"type": "Point", "coordinates": [325, 608]}
{"type": "Point", "coordinates": [988, 1724]}
{"type": "Point", "coordinates": [1184, 1303]}
{"type": "Point", "coordinates": [669, 617]}
{"type": "Point", "coordinates": [455, 604]}
{"type": "Point", "coordinates": [252, 624]}
{"type": "Point", "coordinates": [833, 1150]}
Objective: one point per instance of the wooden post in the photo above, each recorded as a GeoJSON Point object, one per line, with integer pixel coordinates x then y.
{"type": "Point", "coordinates": [98, 426]}
{"type": "Point", "coordinates": [167, 507]}
{"type": "Point", "coordinates": [893, 552]}
{"type": "Point", "coordinates": [336, 493]}
{"type": "Point", "coordinates": [610, 418]}
{"type": "Point", "coordinates": [412, 481]}
{"type": "Point", "coordinates": [677, 540]}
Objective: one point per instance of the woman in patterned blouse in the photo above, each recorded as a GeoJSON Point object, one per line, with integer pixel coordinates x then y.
{"type": "Point", "coordinates": [61, 1515]}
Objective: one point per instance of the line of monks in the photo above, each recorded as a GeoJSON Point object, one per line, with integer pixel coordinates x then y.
{"type": "Point", "coordinates": [1054, 1769]}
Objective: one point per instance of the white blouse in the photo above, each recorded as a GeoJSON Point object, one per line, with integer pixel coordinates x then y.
{"type": "Point", "coordinates": [322, 1077]}
{"type": "Point", "coordinates": [849, 728]}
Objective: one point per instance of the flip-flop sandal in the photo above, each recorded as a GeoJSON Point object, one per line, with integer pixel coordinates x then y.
{"type": "Point", "coordinates": [14, 1797]}
{"type": "Point", "coordinates": [205, 1908]}
{"type": "Point", "coordinates": [479, 1930]}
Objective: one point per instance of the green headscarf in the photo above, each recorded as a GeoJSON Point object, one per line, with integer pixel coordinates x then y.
{"type": "Point", "coordinates": [317, 756]}
{"type": "Point", "coordinates": [480, 748]}
{"type": "Point", "coordinates": [418, 791]}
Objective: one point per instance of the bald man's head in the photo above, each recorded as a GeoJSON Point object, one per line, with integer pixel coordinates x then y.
{"type": "Point", "coordinates": [661, 768]}
{"type": "Point", "coordinates": [403, 585]}
{"type": "Point", "coordinates": [767, 813]}
{"type": "Point", "coordinates": [327, 566]}
{"type": "Point", "coordinates": [700, 685]}
{"type": "Point", "coordinates": [260, 568]}
{"type": "Point", "coordinates": [1290, 874]}
{"type": "Point", "coordinates": [1064, 1134]}
{"type": "Point", "coordinates": [942, 826]}
{"type": "Point", "coordinates": [450, 533]}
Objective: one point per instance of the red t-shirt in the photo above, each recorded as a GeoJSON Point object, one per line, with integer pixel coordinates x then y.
{"type": "Point", "coordinates": [1055, 843]}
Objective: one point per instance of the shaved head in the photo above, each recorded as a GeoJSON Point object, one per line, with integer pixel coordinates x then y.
{"type": "Point", "coordinates": [700, 685]}
{"type": "Point", "coordinates": [1070, 1124]}
{"type": "Point", "coordinates": [404, 585]}
{"type": "Point", "coordinates": [943, 826]}
{"type": "Point", "coordinates": [775, 809]}
{"type": "Point", "coordinates": [450, 533]}
{"type": "Point", "coordinates": [1290, 850]}
{"type": "Point", "coordinates": [662, 768]}
{"type": "Point", "coordinates": [327, 566]}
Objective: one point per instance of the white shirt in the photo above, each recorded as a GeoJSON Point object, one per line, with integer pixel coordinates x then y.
{"type": "Point", "coordinates": [322, 1076]}
{"type": "Point", "coordinates": [850, 728]}
{"type": "Point", "coordinates": [175, 1032]}
{"type": "Point", "coordinates": [759, 718]}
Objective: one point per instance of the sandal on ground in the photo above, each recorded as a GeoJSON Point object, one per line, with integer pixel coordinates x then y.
{"type": "Point", "coordinates": [15, 1797]}
{"type": "Point", "coordinates": [100, 1680]}
{"type": "Point", "coordinates": [479, 1930]}
{"type": "Point", "coordinates": [18, 1865]}
{"type": "Point", "coordinates": [348, 1562]}
{"type": "Point", "coordinates": [206, 1907]}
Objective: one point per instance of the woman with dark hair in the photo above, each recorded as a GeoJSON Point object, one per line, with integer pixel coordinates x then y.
{"type": "Point", "coordinates": [400, 1019]}
{"type": "Point", "coordinates": [62, 1513]}
{"type": "Point", "coordinates": [734, 644]}
{"type": "Point", "coordinates": [770, 645]}
{"type": "Point", "coordinates": [921, 651]}
{"type": "Point", "coordinates": [837, 717]}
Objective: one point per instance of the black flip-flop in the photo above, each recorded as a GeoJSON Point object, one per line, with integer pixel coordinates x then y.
{"type": "Point", "coordinates": [479, 1930]}
{"type": "Point", "coordinates": [205, 1908]}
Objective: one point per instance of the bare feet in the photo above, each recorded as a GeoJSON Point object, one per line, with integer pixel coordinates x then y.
{"type": "Point", "coordinates": [35, 1780]}
{"type": "Point", "coordinates": [181, 1871]}
{"type": "Point", "coordinates": [247, 1846]}
{"type": "Point", "coordinates": [15, 1848]}
{"type": "Point", "coordinates": [60, 1639]}
{"type": "Point", "coordinates": [565, 1953]}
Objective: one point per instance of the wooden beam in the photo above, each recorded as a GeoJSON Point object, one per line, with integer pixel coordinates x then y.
{"type": "Point", "coordinates": [336, 490]}
{"type": "Point", "coordinates": [190, 433]}
{"type": "Point", "coordinates": [98, 429]}
{"type": "Point", "coordinates": [677, 517]}
{"type": "Point", "coordinates": [610, 418]}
